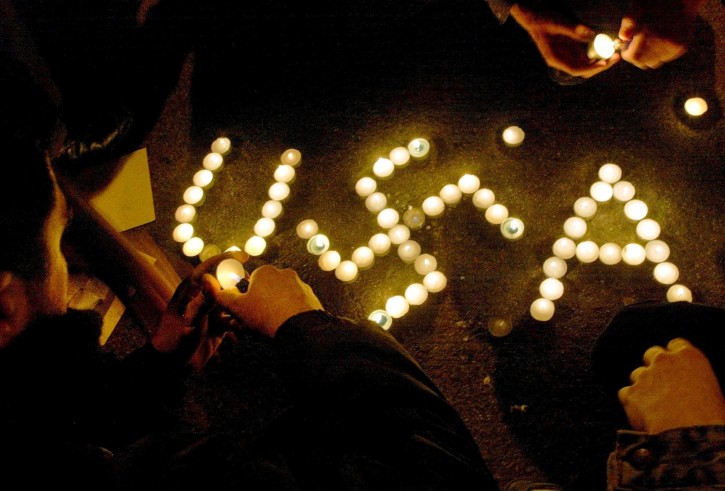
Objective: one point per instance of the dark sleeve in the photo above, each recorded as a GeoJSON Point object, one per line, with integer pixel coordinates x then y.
{"type": "Point", "coordinates": [365, 405]}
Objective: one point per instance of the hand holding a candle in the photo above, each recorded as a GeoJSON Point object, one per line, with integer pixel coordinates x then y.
{"type": "Point", "coordinates": [273, 296]}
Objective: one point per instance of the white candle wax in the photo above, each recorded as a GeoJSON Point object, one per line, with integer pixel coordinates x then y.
{"type": "Point", "coordinates": [513, 136]}
{"type": "Point", "coordinates": [194, 195]}
{"type": "Point", "coordinates": [695, 106]}
{"type": "Point", "coordinates": [414, 218]}
{"type": "Point", "coordinates": [185, 214]}
{"type": "Point", "coordinates": [555, 267]}
{"type": "Point", "coordinates": [400, 156]}
{"type": "Point", "coordinates": [365, 186]}
{"type": "Point", "coordinates": [318, 244]}
{"type": "Point", "coordinates": [212, 161]}
{"type": "Point", "coordinates": [346, 271]}
{"type": "Point", "coordinates": [221, 145]}
{"type": "Point", "coordinates": [364, 257]}
{"type": "Point", "coordinates": [193, 247]}
{"type": "Point", "coordinates": [496, 214]}
{"type": "Point", "coordinates": [307, 228]}
{"type": "Point", "coordinates": [329, 260]}
{"type": "Point", "coordinates": [183, 232]}
{"type": "Point", "coordinates": [381, 318]}
{"type": "Point", "coordinates": [379, 244]}
{"type": "Point", "coordinates": [542, 309]}
{"type": "Point", "coordinates": [636, 209]}
{"type": "Point", "coordinates": [512, 228]}
{"type": "Point", "coordinates": [383, 167]}
{"type": "Point", "coordinates": [469, 184]}
{"type": "Point", "coordinates": [425, 263]}
{"type": "Point", "coordinates": [416, 294]}
{"type": "Point", "coordinates": [633, 254]}
{"type": "Point", "coordinates": [279, 191]}
{"type": "Point", "coordinates": [232, 249]}
{"type": "Point", "coordinates": [203, 178]}
{"type": "Point", "coordinates": [419, 148]}
{"type": "Point", "coordinates": [229, 272]}
{"type": "Point", "coordinates": [409, 251]}
{"type": "Point", "coordinates": [483, 198]}
{"type": "Point", "coordinates": [666, 273]}
{"type": "Point", "coordinates": [397, 306]}
{"type": "Point", "coordinates": [610, 253]}
{"type": "Point", "coordinates": [284, 173]}
{"type": "Point", "coordinates": [435, 281]}
{"type": "Point", "coordinates": [610, 173]}
{"type": "Point", "coordinates": [657, 251]}
{"type": "Point", "coordinates": [291, 156]}
{"type": "Point", "coordinates": [564, 248]}
{"type": "Point", "coordinates": [623, 191]}
{"type": "Point", "coordinates": [264, 227]}
{"type": "Point", "coordinates": [399, 234]}
{"type": "Point", "coordinates": [255, 245]}
{"type": "Point", "coordinates": [587, 251]}
{"type": "Point", "coordinates": [433, 206]}
{"type": "Point", "coordinates": [376, 202]}
{"type": "Point", "coordinates": [601, 191]}
{"type": "Point", "coordinates": [679, 293]}
{"type": "Point", "coordinates": [648, 229]}
{"type": "Point", "coordinates": [450, 194]}
{"type": "Point", "coordinates": [388, 218]}
{"type": "Point", "coordinates": [585, 207]}
{"type": "Point", "coordinates": [272, 209]}
{"type": "Point", "coordinates": [551, 289]}
{"type": "Point", "coordinates": [575, 227]}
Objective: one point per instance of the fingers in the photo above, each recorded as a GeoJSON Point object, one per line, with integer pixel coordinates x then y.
{"type": "Point", "coordinates": [678, 344]}
{"type": "Point", "coordinates": [651, 354]}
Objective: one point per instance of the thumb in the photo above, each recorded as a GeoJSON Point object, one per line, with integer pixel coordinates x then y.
{"type": "Point", "coordinates": [627, 29]}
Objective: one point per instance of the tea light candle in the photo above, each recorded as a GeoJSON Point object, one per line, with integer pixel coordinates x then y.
{"type": "Point", "coordinates": [635, 209]}
{"type": "Point", "coordinates": [623, 191]}
{"type": "Point", "coordinates": [381, 318]}
{"type": "Point", "coordinates": [554, 267]}
{"type": "Point", "coordinates": [264, 227]}
{"type": "Point", "coordinates": [500, 327]}
{"type": "Point", "coordinates": [414, 218]}
{"type": "Point", "coordinates": [279, 191]}
{"type": "Point", "coordinates": [666, 273]}
{"type": "Point", "coordinates": [450, 194]}
{"type": "Point", "coordinates": [194, 195]}
{"type": "Point", "coordinates": [610, 173]}
{"type": "Point", "coordinates": [379, 244]}
{"type": "Point", "coordinates": [364, 257]}
{"type": "Point", "coordinates": [291, 156]}
{"type": "Point", "coordinates": [601, 191]}
{"type": "Point", "coordinates": [203, 178]}
{"type": "Point", "coordinates": [397, 306]}
{"type": "Point", "coordinates": [399, 156]}
{"type": "Point", "coordinates": [346, 271]}
{"type": "Point", "coordinates": [221, 145]}
{"type": "Point", "coordinates": [416, 294]}
{"type": "Point", "coordinates": [483, 198]}
{"type": "Point", "coordinates": [255, 245]}
{"type": "Point", "coordinates": [633, 254]}
{"type": "Point", "coordinates": [229, 272]}
{"type": "Point", "coordinates": [657, 251]}
{"type": "Point", "coordinates": [601, 47]}
{"type": "Point", "coordinates": [585, 207]}
{"type": "Point", "coordinates": [376, 202]}
{"type": "Point", "coordinates": [435, 281]}
{"type": "Point", "coordinates": [469, 184]}
{"type": "Point", "coordinates": [425, 263]}
{"type": "Point", "coordinates": [496, 214]}
{"type": "Point", "coordinates": [388, 217]}
{"type": "Point", "coordinates": [329, 260]}
{"type": "Point", "coordinates": [183, 232]}
{"type": "Point", "coordinates": [306, 228]}
{"type": "Point", "coordinates": [419, 148]}
{"type": "Point", "coordinates": [551, 289]}
{"type": "Point", "coordinates": [383, 167]}
{"type": "Point", "coordinates": [433, 206]}
{"type": "Point", "coordinates": [284, 173]}
{"type": "Point", "coordinates": [575, 227]}
{"type": "Point", "coordinates": [212, 161]}
{"type": "Point", "coordinates": [513, 136]}
{"type": "Point", "coordinates": [542, 309]}
{"type": "Point", "coordinates": [512, 228]}
{"type": "Point", "coordinates": [232, 249]}
{"type": "Point", "coordinates": [318, 244]}
{"type": "Point", "coordinates": [565, 248]}
{"type": "Point", "coordinates": [695, 106]}
{"type": "Point", "coordinates": [209, 251]}
{"type": "Point", "coordinates": [610, 253]}
{"type": "Point", "coordinates": [272, 209]}
{"type": "Point", "coordinates": [399, 234]}
{"type": "Point", "coordinates": [409, 251]}
{"type": "Point", "coordinates": [365, 186]}
{"type": "Point", "coordinates": [587, 251]}
{"type": "Point", "coordinates": [192, 247]}
{"type": "Point", "coordinates": [679, 293]}
{"type": "Point", "coordinates": [185, 214]}
{"type": "Point", "coordinates": [648, 229]}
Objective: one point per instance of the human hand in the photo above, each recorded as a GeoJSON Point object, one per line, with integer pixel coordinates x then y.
{"type": "Point", "coordinates": [187, 326]}
{"type": "Point", "coordinates": [561, 42]}
{"type": "Point", "coordinates": [658, 31]}
{"type": "Point", "coordinates": [675, 388]}
{"type": "Point", "coordinates": [272, 297]}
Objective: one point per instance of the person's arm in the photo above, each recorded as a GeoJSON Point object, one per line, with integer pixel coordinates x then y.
{"type": "Point", "coordinates": [500, 8]}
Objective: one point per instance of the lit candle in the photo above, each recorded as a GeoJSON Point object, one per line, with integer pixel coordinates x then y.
{"type": "Point", "coordinates": [291, 156]}
{"type": "Point", "coordinates": [397, 306]}
{"type": "Point", "coordinates": [185, 214]}
{"type": "Point", "coordinates": [379, 244]}
{"type": "Point", "coordinates": [388, 217]}
{"type": "Point", "coordinates": [500, 327]}
{"type": "Point", "coordinates": [623, 191]}
{"type": "Point", "coordinates": [469, 184]}
{"type": "Point", "coordinates": [221, 145]}
{"type": "Point", "coordinates": [194, 195]}
{"type": "Point", "coordinates": [610, 173]}
{"type": "Point", "coordinates": [425, 263]}
{"type": "Point", "coordinates": [512, 228]}
{"type": "Point", "coordinates": [496, 214]}
{"type": "Point", "coordinates": [564, 248]}
{"type": "Point", "coordinates": [610, 253]}
{"type": "Point", "coordinates": [381, 318]}
{"type": "Point", "coordinates": [666, 273]}
{"type": "Point", "coordinates": [542, 309]}
{"type": "Point", "coordinates": [435, 281]}
{"type": "Point", "coordinates": [635, 209]}
{"type": "Point", "coordinates": [307, 228]}
{"type": "Point", "coordinates": [587, 251]}
{"type": "Point", "coordinates": [365, 186]}
{"type": "Point", "coordinates": [255, 245]}
{"type": "Point", "coordinates": [513, 136]}
{"type": "Point", "coordinates": [284, 173]}
{"type": "Point", "coordinates": [272, 209]}
{"type": "Point", "coordinates": [633, 254]}
{"type": "Point", "coordinates": [376, 202]}
{"type": "Point", "coordinates": [400, 156]}
{"type": "Point", "coordinates": [585, 207]}
{"type": "Point", "coordinates": [601, 191]}
{"type": "Point", "coordinates": [183, 232]}
{"type": "Point", "coordinates": [212, 161]}
{"type": "Point", "coordinates": [601, 47]}
{"type": "Point", "coordinates": [329, 260]}
{"type": "Point", "coordinates": [551, 289]}
{"type": "Point", "coordinates": [679, 293]}
{"type": "Point", "coordinates": [364, 257]}
{"type": "Point", "coordinates": [555, 267]}
{"type": "Point", "coordinates": [383, 167]}
{"type": "Point", "coordinates": [193, 247]}
{"type": "Point", "coordinates": [232, 249]}
{"type": "Point", "coordinates": [575, 227]}
{"type": "Point", "coordinates": [416, 294]}
{"type": "Point", "coordinates": [209, 251]}
{"type": "Point", "coordinates": [399, 234]}
{"type": "Point", "coordinates": [648, 229]}
{"type": "Point", "coordinates": [264, 227]}
{"type": "Point", "coordinates": [203, 178]}
{"type": "Point", "coordinates": [346, 271]}
{"type": "Point", "coordinates": [418, 148]}
{"type": "Point", "coordinates": [657, 251]}
{"type": "Point", "coordinates": [695, 106]}
{"type": "Point", "coordinates": [318, 244]}
{"type": "Point", "coordinates": [433, 206]}
{"type": "Point", "coordinates": [450, 194]}
{"type": "Point", "coordinates": [414, 218]}
{"type": "Point", "coordinates": [279, 191]}
{"type": "Point", "coordinates": [229, 272]}
{"type": "Point", "coordinates": [409, 251]}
